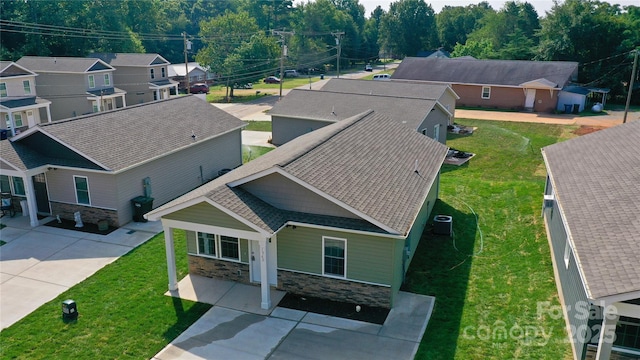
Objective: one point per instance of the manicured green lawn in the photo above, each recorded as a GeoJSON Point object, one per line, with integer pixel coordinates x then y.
{"type": "Point", "coordinates": [251, 152]}
{"type": "Point", "coordinates": [258, 126]}
{"type": "Point", "coordinates": [123, 313]}
{"type": "Point", "coordinates": [488, 280]}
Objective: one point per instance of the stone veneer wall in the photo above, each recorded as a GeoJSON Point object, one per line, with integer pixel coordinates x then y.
{"type": "Point", "coordinates": [219, 269]}
{"type": "Point", "coordinates": [88, 214]}
{"type": "Point", "coordinates": [334, 289]}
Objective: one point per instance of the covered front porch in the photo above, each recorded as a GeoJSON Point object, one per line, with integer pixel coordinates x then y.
{"type": "Point", "coordinates": [213, 247]}
{"type": "Point", "coordinates": [107, 99]}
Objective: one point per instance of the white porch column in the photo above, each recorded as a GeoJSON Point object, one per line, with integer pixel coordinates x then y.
{"type": "Point", "coordinates": [264, 274]}
{"type": "Point", "coordinates": [171, 257]}
{"type": "Point", "coordinates": [30, 192]}
{"type": "Point", "coordinates": [124, 101]}
{"type": "Point", "coordinates": [13, 124]}
{"type": "Point", "coordinates": [607, 335]}
{"type": "Point", "coordinates": [48, 113]}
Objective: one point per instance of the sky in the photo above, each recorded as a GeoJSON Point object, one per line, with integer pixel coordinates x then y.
{"type": "Point", "coordinates": [541, 6]}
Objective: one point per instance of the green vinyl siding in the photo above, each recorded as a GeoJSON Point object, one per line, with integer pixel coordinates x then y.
{"type": "Point", "coordinates": [369, 258]}
{"type": "Point", "coordinates": [398, 272]}
{"type": "Point", "coordinates": [204, 213]}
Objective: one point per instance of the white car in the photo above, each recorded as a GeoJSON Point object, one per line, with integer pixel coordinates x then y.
{"type": "Point", "coordinates": [382, 77]}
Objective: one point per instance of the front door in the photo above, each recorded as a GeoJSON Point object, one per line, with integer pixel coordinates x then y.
{"type": "Point", "coordinates": [42, 196]}
{"type": "Point", "coordinates": [30, 118]}
{"type": "Point", "coordinates": [256, 271]}
{"type": "Point", "coordinates": [530, 99]}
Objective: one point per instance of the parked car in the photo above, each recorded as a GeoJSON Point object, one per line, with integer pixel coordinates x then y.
{"type": "Point", "coordinates": [383, 77]}
{"type": "Point", "coordinates": [368, 67]}
{"type": "Point", "coordinates": [272, 80]}
{"type": "Point", "coordinates": [290, 73]}
{"type": "Point", "coordinates": [199, 89]}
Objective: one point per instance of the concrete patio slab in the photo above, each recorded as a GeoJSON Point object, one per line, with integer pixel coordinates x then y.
{"type": "Point", "coordinates": [340, 323]}
{"type": "Point", "coordinates": [309, 341]}
{"type": "Point", "coordinates": [31, 248]}
{"type": "Point", "coordinates": [409, 317]}
{"type": "Point", "coordinates": [9, 234]}
{"type": "Point", "coordinates": [288, 314]}
{"type": "Point", "coordinates": [5, 277]}
{"type": "Point", "coordinates": [228, 334]}
{"type": "Point", "coordinates": [201, 289]}
{"type": "Point", "coordinates": [20, 296]}
{"type": "Point", "coordinates": [247, 298]}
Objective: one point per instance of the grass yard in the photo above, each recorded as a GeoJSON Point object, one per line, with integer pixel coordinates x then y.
{"type": "Point", "coordinates": [258, 126]}
{"type": "Point", "coordinates": [488, 280]}
{"type": "Point", "coordinates": [123, 313]}
{"type": "Point", "coordinates": [251, 152]}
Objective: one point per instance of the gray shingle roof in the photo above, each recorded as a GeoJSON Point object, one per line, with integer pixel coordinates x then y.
{"type": "Point", "coordinates": [128, 136]}
{"type": "Point", "coordinates": [596, 178]}
{"type": "Point", "coordinates": [336, 106]}
{"type": "Point", "coordinates": [9, 68]}
{"type": "Point", "coordinates": [485, 72]}
{"type": "Point", "coordinates": [61, 64]}
{"type": "Point", "coordinates": [130, 59]}
{"type": "Point", "coordinates": [357, 161]}
{"type": "Point", "coordinates": [396, 89]}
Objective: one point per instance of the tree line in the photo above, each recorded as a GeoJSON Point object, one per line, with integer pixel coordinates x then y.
{"type": "Point", "coordinates": [243, 39]}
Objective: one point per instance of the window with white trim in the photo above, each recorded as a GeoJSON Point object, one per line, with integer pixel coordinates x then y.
{"type": "Point", "coordinates": [436, 132]}
{"type": "Point", "coordinates": [17, 119]}
{"type": "Point", "coordinates": [18, 186]}
{"type": "Point", "coordinates": [92, 82]}
{"type": "Point", "coordinates": [207, 244]}
{"type": "Point", "coordinates": [27, 87]}
{"type": "Point", "coordinates": [107, 79]}
{"type": "Point", "coordinates": [219, 246]}
{"type": "Point", "coordinates": [5, 186]}
{"type": "Point", "coordinates": [153, 75]}
{"type": "Point", "coordinates": [81, 184]}
{"type": "Point", "coordinates": [567, 254]}
{"type": "Point", "coordinates": [3, 89]}
{"type": "Point", "coordinates": [164, 74]}
{"type": "Point", "coordinates": [334, 259]}
{"type": "Point", "coordinates": [486, 92]}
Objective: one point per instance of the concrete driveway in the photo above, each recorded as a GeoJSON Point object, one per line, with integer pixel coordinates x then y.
{"type": "Point", "coordinates": [38, 264]}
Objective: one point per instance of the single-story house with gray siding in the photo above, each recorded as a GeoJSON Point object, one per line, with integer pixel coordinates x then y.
{"type": "Point", "coordinates": [427, 109]}
{"type": "Point", "coordinates": [592, 215]}
{"type": "Point", "coordinates": [325, 215]}
{"type": "Point", "coordinates": [502, 84]}
{"type": "Point", "coordinates": [96, 164]}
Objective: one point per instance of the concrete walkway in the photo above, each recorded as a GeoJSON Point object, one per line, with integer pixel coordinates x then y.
{"type": "Point", "coordinates": [236, 328]}
{"type": "Point", "coordinates": [38, 264]}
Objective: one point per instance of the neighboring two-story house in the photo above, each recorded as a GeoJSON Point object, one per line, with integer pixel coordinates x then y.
{"type": "Point", "coordinates": [20, 107]}
{"type": "Point", "coordinates": [75, 86]}
{"type": "Point", "coordinates": [197, 74]}
{"type": "Point", "coordinates": [145, 77]}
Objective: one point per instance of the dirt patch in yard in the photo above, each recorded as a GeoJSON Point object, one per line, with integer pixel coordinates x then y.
{"type": "Point", "coordinates": [584, 130]}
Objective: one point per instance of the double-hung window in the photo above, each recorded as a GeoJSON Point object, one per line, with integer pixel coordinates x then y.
{"type": "Point", "coordinates": [27, 87]}
{"type": "Point", "coordinates": [334, 256]}
{"type": "Point", "coordinates": [92, 82]}
{"type": "Point", "coordinates": [17, 119]}
{"type": "Point", "coordinates": [219, 246]}
{"type": "Point", "coordinates": [18, 186]}
{"type": "Point", "coordinates": [82, 189]}
{"type": "Point", "coordinates": [107, 80]}
{"type": "Point", "coordinates": [153, 75]}
{"type": "Point", "coordinates": [207, 244]}
{"type": "Point", "coordinates": [486, 92]}
{"type": "Point", "coordinates": [164, 74]}
{"type": "Point", "coordinates": [5, 186]}
{"type": "Point", "coordinates": [436, 132]}
{"type": "Point", "coordinates": [3, 89]}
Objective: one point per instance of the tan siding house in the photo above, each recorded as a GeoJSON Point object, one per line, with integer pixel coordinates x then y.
{"type": "Point", "coordinates": [20, 106]}
{"type": "Point", "coordinates": [96, 164]}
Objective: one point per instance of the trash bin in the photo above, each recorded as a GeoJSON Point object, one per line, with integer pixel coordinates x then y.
{"type": "Point", "coordinates": [4, 134]}
{"type": "Point", "coordinates": [69, 310]}
{"type": "Point", "coordinates": [321, 76]}
{"type": "Point", "coordinates": [141, 206]}
{"type": "Point", "coordinates": [576, 108]}
{"type": "Point", "coordinates": [567, 108]}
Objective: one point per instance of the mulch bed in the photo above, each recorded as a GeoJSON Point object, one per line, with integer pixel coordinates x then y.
{"type": "Point", "coordinates": [87, 228]}
{"type": "Point", "coordinates": [345, 310]}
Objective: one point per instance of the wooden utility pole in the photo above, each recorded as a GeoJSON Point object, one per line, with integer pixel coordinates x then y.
{"type": "Point", "coordinates": [338, 35]}
{"type": "Point", "coordinates": [284, 53]}
{"type": "Point", "coordinates": [186, 45]}
{"type": "Point", "coordinates": [633, 76]}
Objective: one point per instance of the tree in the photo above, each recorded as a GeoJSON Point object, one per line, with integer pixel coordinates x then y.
{"type": "Point", "coordinates": [408, 27]}
{"type": "Point", "coordinates": [228, 39]}
{"type": "Point", "coordinates": [482, 49]}
{"type": "Point", "coordinates": [455, 23]}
